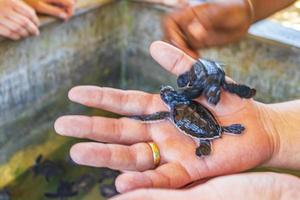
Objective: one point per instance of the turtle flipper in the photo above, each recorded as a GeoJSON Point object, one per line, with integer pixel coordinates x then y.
{"type": "Point", "coordinates": [234, 128]}
{"type": "Point", "coordinates": [242, 91]}
{"type": "Point", "coordinates": [153, 117]}
{"type": "Point", "coordinates": [204, 149]}
{"type": "Point", "coordinates": [213, 94]}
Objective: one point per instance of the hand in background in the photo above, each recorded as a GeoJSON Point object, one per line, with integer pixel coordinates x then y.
{"type": "Point", "coordinates": [240, 186]}
{"type": "Point", "coordinates": [126, 139]}
{"type": "Point", "coordinates": [63, 9]}
{"type": "Point", "coordinates": [207, 24]}
{"type": "Point", "coordinates": [17, 20]}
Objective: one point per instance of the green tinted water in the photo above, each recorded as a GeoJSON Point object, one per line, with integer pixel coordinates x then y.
{"type": "Point", "coordinates": [18, 177]}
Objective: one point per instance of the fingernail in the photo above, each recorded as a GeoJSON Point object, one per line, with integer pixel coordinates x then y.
{"type": "Point", "coordinates": [84, 94]}
{"type": "Point", "coordinates": [72, 126]}
{"type": "Point", "coordinates": [76, 154]}
{"type": "Point", "coordinates": [63, 16]}
{"type": "Point", "coordinates": [59, 126]}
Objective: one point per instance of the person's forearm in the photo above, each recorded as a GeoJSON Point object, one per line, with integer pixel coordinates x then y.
{"type": "Point", "coordinates": [265, 8]}
{"type": "Point", "coordinates": [285, 121]}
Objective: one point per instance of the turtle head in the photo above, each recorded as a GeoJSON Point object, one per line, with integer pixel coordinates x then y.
{"type": "Point", "coordinates": [183, 80]}
{"type": "Point", "coordinates": [171, 97]}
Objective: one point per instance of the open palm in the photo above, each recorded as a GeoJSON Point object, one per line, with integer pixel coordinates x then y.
{"type": "Point", "coordinates": [126, 139]}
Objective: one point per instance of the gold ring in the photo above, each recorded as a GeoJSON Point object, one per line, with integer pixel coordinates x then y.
{"type": "Point", "coordinates": [155, 153]}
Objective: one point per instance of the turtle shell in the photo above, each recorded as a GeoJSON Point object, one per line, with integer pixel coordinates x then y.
{"type": "Point", "coordinates": [207, 72]}
{"type": "Point", "coordinates": [196, 120]}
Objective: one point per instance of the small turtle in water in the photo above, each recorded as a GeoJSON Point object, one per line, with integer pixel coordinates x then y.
{"type": "Point", "coordinates": [63, 191]}
{"type": "Point", "coordinates": [207, 77]}
{"type": "Point", "coordinates": [46, 168]}
{"type": "Point", "coordinates": [108, 190]}
{"type": "Point", "coordinates": [192, 118]}
{"type": "Point", "coordinates": [84, 183]}
{"type": "Point", "coordinates": [106, 173]}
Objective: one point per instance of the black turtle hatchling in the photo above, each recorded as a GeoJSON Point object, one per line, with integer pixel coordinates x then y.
{"type": "Point", "coordinates": [207, 77]}
{"type": "Point", "coordinates": [192, 118]}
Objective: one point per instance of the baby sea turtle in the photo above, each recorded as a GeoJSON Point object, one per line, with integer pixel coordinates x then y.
{"type": "Point", "coordinates": [46, 168]}
{"type": "Point", "coordinates": [64, 190]}
{"type": "Point", "coordinates": [207, 77]}
{"type": "Point", "coordinates": [192, 118]}
{"type": "Point", "coordinates": [84, 183]}
{"type": "Point", "coordinates": [108, 190]}
{"type": "Point", "coordinates": [106, 173]}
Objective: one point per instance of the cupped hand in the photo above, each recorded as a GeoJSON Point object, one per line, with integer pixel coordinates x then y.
{"type": "Point", "coordinates": [240, 186]}
{"type": "Point", "coordinates": [207, 24]}
{"type": "Point", "coordinates": [17, 20]}
{"type": "Point", "coordinates": [126, 139]}
{"type": "Point", "coordinates": [63, 9]}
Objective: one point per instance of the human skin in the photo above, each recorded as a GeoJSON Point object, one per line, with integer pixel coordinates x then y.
{"type": "Point", "coordinates": [63, 9]}
{"type": "Point", "coordinates": [246, 186]}
{"type": "Point", "coordinates": [271, 137]}
{"type": "Point", "coordinates": [170, 3]}
{"type": "Point", "coordinates": [17, 20]}
{"type": "Point", "coordinates": [215, 23]}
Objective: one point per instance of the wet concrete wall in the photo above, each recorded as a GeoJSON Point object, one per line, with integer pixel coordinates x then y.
{"type": "Point", "coordinates": [36, 73]}
{"type": "Point", "coordinates": [109, 46]}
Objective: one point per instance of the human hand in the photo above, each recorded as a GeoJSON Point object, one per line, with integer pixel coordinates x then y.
{"type": "Point", "coordinates": [207, 24]}
{"type": "Point", "coordinates": [63, 9]}
{"type": "Point", "coordinates": [17, 20]}
{"type": "Point", "coordinates": [240, 186]}
{"type": "Point", "coordinates": [127, 147]}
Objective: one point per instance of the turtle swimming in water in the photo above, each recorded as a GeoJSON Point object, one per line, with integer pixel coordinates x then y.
{"type": "Point", "coordinates": [207, 77]}
{"type": "Point", "coordinates": [64, 190]}
{"type": "Point", "coordinates": [192, 118]}
{"type": "Point", "coordinates": [46, 168]}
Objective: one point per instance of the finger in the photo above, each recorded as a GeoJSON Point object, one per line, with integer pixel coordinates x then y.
{"type": "Point", "coordinates": [175, 36]}
{"type": "Point", "coordinates": [152, 194]}
{"type": "Point", "coordinates": [26, 25]}
{"type": "Point", "coordinates": [52, 10]}
{"type": "Point", "coordinates": [13, 16]}
{"type": "Point", "coordinates": [70, 11]}
{"type": "Point", "coordinates": [122, 131]}
{"type": "Point", "coordinates": [137, 157]}
{"type": "Point", "coordinates": [117, 101]}
{"type": "Point", "coordinates": [65, 3]}
{"type": "Point", "coordinates": [12, 26]}
{"type": "Point", "coordinates": [177, 63]}
{"type": "Point", "coordinates": [170, 175]}
{"type": "Point", "coordinates": [5, 32]}
{"type": "Point", "coordinates": [27, 11]}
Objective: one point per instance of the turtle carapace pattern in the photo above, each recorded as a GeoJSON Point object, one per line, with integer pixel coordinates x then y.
{"type": "Point", "coordinates": [192, 118]}
{"type": "Point", "coordinates": [208, 77]}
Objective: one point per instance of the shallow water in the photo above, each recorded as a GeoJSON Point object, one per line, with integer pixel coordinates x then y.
{"type": "Point", "coordinates": [18, 177]}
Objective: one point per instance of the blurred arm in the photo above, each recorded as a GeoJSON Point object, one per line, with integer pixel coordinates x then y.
{"type": "Point", "coordinates": [263, 9]}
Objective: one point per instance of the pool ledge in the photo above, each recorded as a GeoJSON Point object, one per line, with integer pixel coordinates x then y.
{"type": "Point", "coordinates": [272, 32]}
